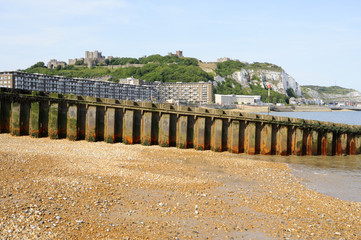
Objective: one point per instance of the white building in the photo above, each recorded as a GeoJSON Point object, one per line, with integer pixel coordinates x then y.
{"type": "Point", "coordinates": [237, 99]}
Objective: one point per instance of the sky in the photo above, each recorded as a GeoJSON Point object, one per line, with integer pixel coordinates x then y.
{"type": "Point", "coordinates": [317, 42]}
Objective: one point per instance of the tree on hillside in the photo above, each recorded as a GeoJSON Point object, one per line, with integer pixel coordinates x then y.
{"type": "Point", "coordinates": [79, 62]}
{"type": "Point", "coordinates": [38, 64]}
{"type": "Point", "coordinates": [226, 68]}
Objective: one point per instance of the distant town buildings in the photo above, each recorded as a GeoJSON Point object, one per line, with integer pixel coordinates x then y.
{"type": "Point", "coordinates": [127, 89]}
{"type": "Point", "coordinates": [237, 99]}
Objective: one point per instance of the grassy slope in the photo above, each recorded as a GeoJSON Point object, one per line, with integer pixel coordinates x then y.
{"type": "Point", "coordinates": [162, 69]}
{"type": "Point", "coordinates": [328, 90]}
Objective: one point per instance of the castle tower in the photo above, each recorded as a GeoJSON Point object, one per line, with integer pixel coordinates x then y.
{"type": "Point", "coordinates": [179, 53]}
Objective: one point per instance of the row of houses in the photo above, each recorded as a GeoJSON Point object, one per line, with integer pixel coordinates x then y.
{"type": "Point", "coordinates": [128, 89]}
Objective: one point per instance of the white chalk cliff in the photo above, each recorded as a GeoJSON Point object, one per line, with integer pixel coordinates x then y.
{"type": "Point", "coordinates": [280, 81]}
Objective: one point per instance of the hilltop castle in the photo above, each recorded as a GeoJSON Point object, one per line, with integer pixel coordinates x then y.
{"type": "Point", "coordinates": [91, 59]}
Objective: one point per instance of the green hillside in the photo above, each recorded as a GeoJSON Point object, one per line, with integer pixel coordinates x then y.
{"type": "Point", "coordinates": [166, 69]}
{"type": "Point", "coordinates": [226, 68]}
{"type": "Point", "coordinates": [328, 90]}
{"type": "Point", "coordinates": [155, 68]}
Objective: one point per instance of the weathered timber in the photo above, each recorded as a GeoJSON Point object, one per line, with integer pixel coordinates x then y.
{"type": "Point", "coordinates": [96, 119]}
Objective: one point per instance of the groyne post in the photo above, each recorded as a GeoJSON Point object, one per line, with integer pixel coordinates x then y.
{"type": "Point", "coordinates": [53, 129]}
{"type": "Point", "coordinates": [234, 136]}
{"type": "Point", "coordinates": [266, 139]}
{"type": "Point", "coordinates": [282, 140]}
{"type": "Point", "coordinates": [297, 141]}
{"type": "Point", "coordinates": [128, 126]}
{"type": "Point", "coordinates": [146, 128]}
{"type": "Point", "coordinates": [352, 144]}
{"type": "Point", "coordinates": [164, 130]}
{"type": "Point", "coordinates": [217, 135]}
{"type": "Point", "coordinates": [100, 127]}
{"type": "Point", "coordinates": [312, 142]}
{"type": "Point", "coordinates": [90, 129]}
{"type": "Point", "coordinates": [38, 125]}
{"type": "Point", "coordinates": [109, 126]}
{"type": "Point", "coordinates": [34, 119]}
{"type": "Point", "coordinates": [72, 122]}
{"type": "Point", "coordinates": [5, 116]}
{"type": "Point", "coordinates": [200, 133]}
{"type": "Point", "coordinates": [341, 144]}
{"type": "Point", "coordinates": [327, 144]}
{"type": "Point", "coordinates": [358, 144]}
{"type": "Point", "coordinates": [182, 130]}
{"type": "Point", "coordinates": [15, 119]}
{"type": "Point", "coordinates": [250, 138]}
{"type": "Point", "coordinates": [24, 117]}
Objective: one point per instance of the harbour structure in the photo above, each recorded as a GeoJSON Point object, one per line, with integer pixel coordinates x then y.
{"type": "Point", "coordinates": [74, 117]}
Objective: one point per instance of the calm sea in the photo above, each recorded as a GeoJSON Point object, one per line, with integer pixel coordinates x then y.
{"type": "Point", "coordinates": [336, 176]}
{"type": "Point", "coordinates": [348, 117]}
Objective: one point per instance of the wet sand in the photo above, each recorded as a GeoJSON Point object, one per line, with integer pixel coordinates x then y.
{"type": "Point", "coordinates": [56, 189]}
{"type": "Point", "coordinates": [343, 184]}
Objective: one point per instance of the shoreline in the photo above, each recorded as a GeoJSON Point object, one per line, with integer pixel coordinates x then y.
{"type": "Point", "coordinates": [346, 185]}
{"type": "Point", "coordinates": [65, 189]}
{"type": "Point", "coordinates": [264, 109]}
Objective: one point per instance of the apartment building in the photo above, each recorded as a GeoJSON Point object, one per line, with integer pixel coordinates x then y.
{"type": "Point", "coordinates": [6, 80]}
{"type": "Point", "coordinates": [129, 89]}
{"type": "Point", "coordinates": [190, 92]}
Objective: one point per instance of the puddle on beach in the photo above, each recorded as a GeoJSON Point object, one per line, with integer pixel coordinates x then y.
{"type": "Point", "coordinates": [335, 176]}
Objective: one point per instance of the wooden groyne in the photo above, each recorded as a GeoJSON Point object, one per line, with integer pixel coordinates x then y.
{"type": "Point", "coordinates": [96, 119]}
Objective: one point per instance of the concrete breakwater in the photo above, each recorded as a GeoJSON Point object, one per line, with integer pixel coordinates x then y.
{"type": "Point", "coordinates": [74, 117]}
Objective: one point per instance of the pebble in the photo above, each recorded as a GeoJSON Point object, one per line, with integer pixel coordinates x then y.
{"type": "Point", "coordinates": [235, 194]}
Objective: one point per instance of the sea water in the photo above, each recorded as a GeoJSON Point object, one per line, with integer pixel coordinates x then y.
{"type": "Point", "coordinates": [347, 117]}
{"type": "Point", "coordinates": [336, 176]}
